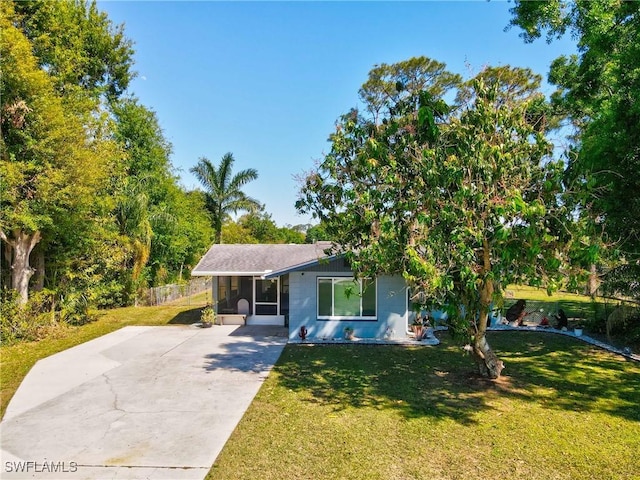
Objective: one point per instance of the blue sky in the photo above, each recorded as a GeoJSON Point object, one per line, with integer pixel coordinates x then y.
{"type": "Point", "coordinates": [267, 80]}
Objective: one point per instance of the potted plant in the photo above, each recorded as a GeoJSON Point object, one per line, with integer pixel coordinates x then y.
{"type": "Point", "coordinates": [348, 333]}
{"type": "Point", "coordinates": [418, 328]}
{"type": "Point", "coordinates": [578, 327]}
{"type": "Point", "coordinates": [207, 317]}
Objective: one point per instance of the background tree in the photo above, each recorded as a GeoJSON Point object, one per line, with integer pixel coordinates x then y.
{"type": "Point", "coordinates": [181, 234]}
{"type": "Point", "coordinates": [381, 94]}
{"type": "Point", "coordinates": [134, 225]}
{"type": "Point", "coordinates": [460, 203]}
{"type": "Point", "coordinates": [86, 171]}
{"type": "Point", "coordinates": [599, 90]}
{"type": "Point", "coordinates": [258, 227]}
{"type": "Point", "coordinates": [234, 232]}
{"type": "Point", "coordinates": [223, 190]}
{"type": "Point", "coordinates": [263, 229]}
{"type": "Point", "coordinates": [50, 168]}
{"type": "Point", "coordinates": [77, 45]}
{"type": "Point", "coordinates": [147, 154]}
{"type": "Point", "coordinates": [317, 233]}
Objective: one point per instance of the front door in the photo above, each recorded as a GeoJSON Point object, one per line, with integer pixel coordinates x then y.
{"type": "Point", "coordinates": [267, 296]}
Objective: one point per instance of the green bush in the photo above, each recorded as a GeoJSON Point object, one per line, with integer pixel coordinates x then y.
{"type": "Point", "coordinates": [106, 295]}
{"type": "Point", "coordinates": [34, 321]}
{"type": "Point", "coordinates": [74, 309]}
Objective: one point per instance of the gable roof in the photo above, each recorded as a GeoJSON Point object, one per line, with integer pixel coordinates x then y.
{"type": "Point", "coordinates": [258, 259]}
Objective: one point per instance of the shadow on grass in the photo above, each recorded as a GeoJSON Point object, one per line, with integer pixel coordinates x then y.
{"type": "Point", "coordinates": [416, 381]}
{"type": "Point", "coordinates": [186, 317]}
{"type": "Point", "coordinates": [440, 382]}
{"type": "Point", "coordinates": [567, 374]}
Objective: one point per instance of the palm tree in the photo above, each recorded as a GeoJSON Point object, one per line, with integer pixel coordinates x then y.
{"type": "Point", "coordinates": [223, 193]}
{"type": "Point", "coordinates": [134, 225]}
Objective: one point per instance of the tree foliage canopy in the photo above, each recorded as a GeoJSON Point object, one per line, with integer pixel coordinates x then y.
{"type": "Point", "coordinates": [87, 183]}
{"type": "Point", "coordinates": [223, 189]}
{"type": "Point", "coordinates": [460, 201]}
{"type": "Point", "coordinates": [599, 90]}
{"type": "Point", "coordinates": [77, 45]}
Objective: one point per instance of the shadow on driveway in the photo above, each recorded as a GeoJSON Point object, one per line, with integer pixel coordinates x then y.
{"type": "Point", "coordinates": [248, 349]}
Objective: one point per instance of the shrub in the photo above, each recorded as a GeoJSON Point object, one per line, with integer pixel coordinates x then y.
{"type": "Point", "coordinates": [74, 309]}
{"type": "Point", "coordinates": [34, 321]}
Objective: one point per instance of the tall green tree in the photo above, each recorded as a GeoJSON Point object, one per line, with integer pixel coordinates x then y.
{"type": "Point", "coordinates": [87, 187]}
{"type": "Point", "coordinates": [50, 168]}
{"type": "Point", "coordinates": [263, 229]}
{"type": "Point", "coordinates": [141, 190]}
{"type": "Point", "coordinates": [223, 190]}
{"type": "Point", "coordinates": [177, 245]}
{"type": "Point", "coordinates": [77, 45]}
{"type": "Point", "coordinates": [460, 202]}
{"type": "Point", "coordinates": [599, 90]}
{"type": "Point", "coordinates": [147, 153]}
{"type": "Point", "coordinates": [391, 86]}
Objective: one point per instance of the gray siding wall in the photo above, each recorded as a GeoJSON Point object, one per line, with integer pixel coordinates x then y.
{"type": "Point", "coordinates": [391, 307]}
{"type": "Point", "coordinates": [336, 265]}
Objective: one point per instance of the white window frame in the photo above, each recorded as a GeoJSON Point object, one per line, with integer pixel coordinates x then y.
{"type": "Point", "coordinates": [256, 303]}
{"type": "Point", "coordinates": [371, 318]}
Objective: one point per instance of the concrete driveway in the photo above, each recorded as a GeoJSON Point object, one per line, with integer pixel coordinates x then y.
{"type": "Point", "coordinates": [141, 402]}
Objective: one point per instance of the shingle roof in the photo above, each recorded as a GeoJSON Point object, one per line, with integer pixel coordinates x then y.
{"type": "Point", "coordinates": [257, 259]}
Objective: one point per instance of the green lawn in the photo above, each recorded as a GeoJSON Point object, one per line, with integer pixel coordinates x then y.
{"type": "Point", "coordinates": [581, 310]}
{"type": "Point", "coordinates": [574, 305]}
{"type": "Point", "coordinates": [562, 410]}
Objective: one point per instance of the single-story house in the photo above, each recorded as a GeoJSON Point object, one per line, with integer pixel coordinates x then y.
{"type": "Point", "coordinates": [299, 286]}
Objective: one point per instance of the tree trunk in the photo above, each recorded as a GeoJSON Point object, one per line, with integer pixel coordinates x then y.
{"type": "Point", "coordinates": [594, 282]}
{"type": "Point", "coordinates": [7, 258]}
{"type": "Point", "coordinates": [217, 226]}
{"type": "Point", "coordinates": [38, 281]}
{"type": "Point", "coordinates": [489, 365]}
{"type": "Point", "coordinates": [21, 272]}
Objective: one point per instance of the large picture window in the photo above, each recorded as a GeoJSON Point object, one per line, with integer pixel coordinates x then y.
{"type": "Point", "coordinates": [346, 298]}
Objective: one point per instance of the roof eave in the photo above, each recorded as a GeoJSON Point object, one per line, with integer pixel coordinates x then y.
{"type": "Point", "coordinates": [297, 268]}
{"type": "Point", "coordinates": [208, 273]}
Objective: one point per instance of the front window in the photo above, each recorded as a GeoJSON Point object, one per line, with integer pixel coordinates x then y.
{"type": "Point", "coordinates": [346, 298]}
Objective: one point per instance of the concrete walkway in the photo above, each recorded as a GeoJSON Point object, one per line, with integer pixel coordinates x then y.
{"type": "Point", "coordinates": [139, 403]}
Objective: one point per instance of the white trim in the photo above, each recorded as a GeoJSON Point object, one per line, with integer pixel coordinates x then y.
{"type": "Point", "coordinates": [301, 266]}
{"type": "Point", "coordinates": [406, 310]}
{"type": "Point", "coordinates": [265, 320]}
{"type": "Point", "coordinates": [371, 318]}
{"type": "Point", "coordinates": [227, 274]}
{"type": "Point", "coordinates": [256, 303]}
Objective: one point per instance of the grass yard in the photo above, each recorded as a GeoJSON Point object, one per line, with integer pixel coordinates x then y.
{"type": "Point", "coordinates": [574, 305]}
{"type": "Point", "coordinates": [581, 310]}
{"type": "Point", "coordinates": [562, 410]}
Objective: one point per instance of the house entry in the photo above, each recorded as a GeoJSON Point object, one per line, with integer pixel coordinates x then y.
{"type": "Point", "coordinates": [266, 296]}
